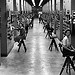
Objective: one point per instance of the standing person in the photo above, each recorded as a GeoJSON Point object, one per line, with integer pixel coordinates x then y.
{"type": "Point", "coordinates": [39, 16]}
{"type": "Point", "coordinates": [20, 39]}
{"type": "Point", "coordinates": [40, 19]}
{"type": "Point", "coordinates": [26, 28]}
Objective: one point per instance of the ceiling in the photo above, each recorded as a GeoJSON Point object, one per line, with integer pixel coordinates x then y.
{"type": "Point", "coordinates": [29, 2]}
{"type": "Point", "coordinates": [44, 2]}
{"type": "Point", "coordinates": [37, 2]}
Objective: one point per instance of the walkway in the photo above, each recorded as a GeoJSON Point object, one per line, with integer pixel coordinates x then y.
{"type": "Point", "coordinates": [38, 60]}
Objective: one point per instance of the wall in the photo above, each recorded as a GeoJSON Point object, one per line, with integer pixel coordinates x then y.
{"type": "Point", "coordinates": [58, 4]}
{"type": "Point", "coordinates": [28, 7]}
{"type": "Point", "coordinates": [9, 5]}
{"type": "Point", "coordinates": [73, 5]}
{"type": "Point", "coordinates": [46, 8]}
{"type": "Point", "coordinates": [66, 5]}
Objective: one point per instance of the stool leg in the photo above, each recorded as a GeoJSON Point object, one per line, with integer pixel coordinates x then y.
{"type": "Point", "coordinates": [67, 67]}
{"type": "Point", "coordinates": [69, 70]}
{"type": "Point", "coordinates": [63, 66]}
{"type": "Point", "coordinates": [55, 45]}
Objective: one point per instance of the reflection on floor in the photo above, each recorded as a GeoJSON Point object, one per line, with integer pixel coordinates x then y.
{"type": "Point", "coordinates": [38, 60]}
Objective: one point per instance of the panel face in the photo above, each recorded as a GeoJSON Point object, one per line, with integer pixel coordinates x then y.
{"type": "Point", "coordinates": [0, 46]}
{"type": "Point", "coordinates": [73, 28]}
{"type": "Point", "coordinates": [73, 35]}
{"type": "Point", "coordinates": [0, 17]}
{"type": "Point", "coordinates": [0, 22]}
{"type": "Point", "coordinates": [0, 35]}
{"type": "Point", "coordinates": [72, 4]}
{"type": "Point", "coordinates": [0, 31]}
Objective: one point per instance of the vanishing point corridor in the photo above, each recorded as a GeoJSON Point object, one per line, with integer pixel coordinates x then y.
{"type": "Point", "coordinates": [38, 60]}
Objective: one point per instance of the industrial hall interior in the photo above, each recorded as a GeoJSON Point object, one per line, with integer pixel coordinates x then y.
{"type": "Point", "coordinates": [37, 37]}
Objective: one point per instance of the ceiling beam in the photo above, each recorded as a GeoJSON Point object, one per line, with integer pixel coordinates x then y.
{"type": "Point", "coordinates": [37, 2]}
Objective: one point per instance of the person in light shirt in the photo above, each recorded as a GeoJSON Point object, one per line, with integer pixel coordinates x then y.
{"type": "Point", "coordinates": [66, 45]}
{"type": "Point", "coordinates": [67, 39]}
{"type": "Point", "coordinates": [66, 42]}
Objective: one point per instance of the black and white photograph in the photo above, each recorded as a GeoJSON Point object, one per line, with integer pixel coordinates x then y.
{"type": "Point", "coordinates": [37, 37]}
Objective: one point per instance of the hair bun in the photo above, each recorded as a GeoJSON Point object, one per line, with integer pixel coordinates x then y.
{"type": "Point", "coordinates": [68, 29]}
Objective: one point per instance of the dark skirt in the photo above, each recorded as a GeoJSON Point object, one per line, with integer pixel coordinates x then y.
{"type": "Point", "coordinates": [17, 38]}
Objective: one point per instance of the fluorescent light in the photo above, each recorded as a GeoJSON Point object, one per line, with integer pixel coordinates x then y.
{"type": "Point", "coordinates": [40, 2]}
{"type": "Point", "coordinates": [33, 2]}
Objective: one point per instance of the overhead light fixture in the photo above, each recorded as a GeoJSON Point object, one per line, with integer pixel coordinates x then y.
{"type": "Point", "coordinates": [33, 2]}
{"type": "Point", "coordinates": [40, 2]}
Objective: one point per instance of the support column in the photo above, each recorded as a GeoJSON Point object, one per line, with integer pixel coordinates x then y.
{"type": "Point", "coordinates": [51, 12]}
{"type": "Point", "coordinates": [55, 16]}
{"type": "Point", "coordinates": [61, 20]}
{"type": "Point", "coordinates": [14, 5]}
{"type": "Point", "coordinates": [51, 6]}
{"type": "Point", "coordinates": [23, 5]}
{"type": "Point", "coordinates": [0, 34]}
{"type": "Point", "coordinates": [14, 9]}
{"type": "Point", "coordinates": [3, 14]}
{"type": "Point", "coordinates": [20, 9]}
{"type": "Point", "coordinates": [27, 5]}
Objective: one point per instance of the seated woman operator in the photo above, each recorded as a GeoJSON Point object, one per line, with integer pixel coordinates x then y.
{"type": "Point", "coordinates": [66, 42]}
{"type": "Point", "coordinates": [66, 45]}
{"type": "Point", "coordinates": [67, 39]}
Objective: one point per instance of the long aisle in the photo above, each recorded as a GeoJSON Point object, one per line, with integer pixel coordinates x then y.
{"type": "Point", "coordinates": [38, 60]}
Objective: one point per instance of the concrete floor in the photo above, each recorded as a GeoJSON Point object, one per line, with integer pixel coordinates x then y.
{"type": "Point", "coordinates": [38, 60]}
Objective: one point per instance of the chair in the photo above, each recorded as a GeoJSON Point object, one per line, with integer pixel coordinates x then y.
{"type": "Point", "coordinates": [68, 61]}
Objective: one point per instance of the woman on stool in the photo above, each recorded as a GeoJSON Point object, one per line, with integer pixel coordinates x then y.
{"type": "Point", "coordinates": [66, 44]}
{"type": "Point", "coordinates": [67, 41]}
